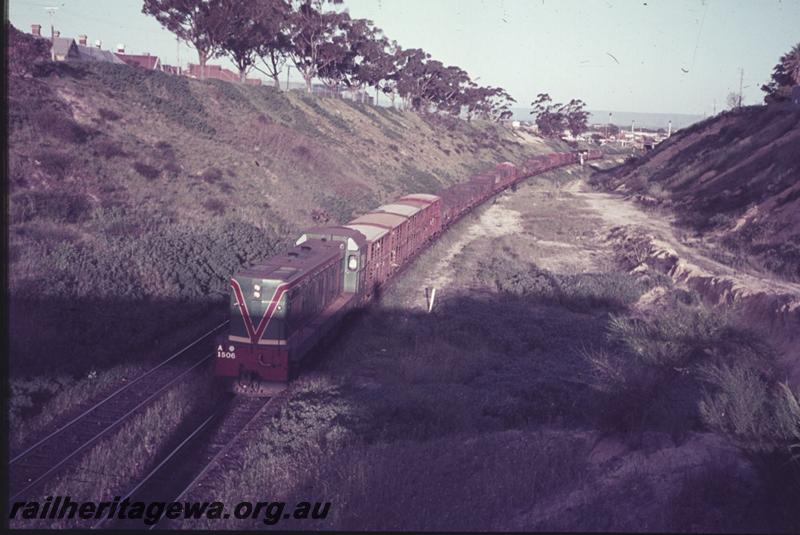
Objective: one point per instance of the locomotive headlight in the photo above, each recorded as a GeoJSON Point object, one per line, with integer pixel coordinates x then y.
{"type": "Point", "coordinates": [257, 295]}
{"type": "Point", "coordinates": [257, 287]}
{"type": "Point", "coordinates": [352, 262]}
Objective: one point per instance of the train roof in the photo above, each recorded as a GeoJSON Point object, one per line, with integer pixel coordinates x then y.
{"type": "Point", "coordinates": [296, 262]}
{"type": "Point", "coordinates": [380, 219]}
{"type": "Point", "coordinates": [420, 197]}
{"type": "Point", "coordinates": [338, 230]}
{"type": "Point", "coordinates": [400, 209]}
{"type": "Point", "coordinates": [371, 232]}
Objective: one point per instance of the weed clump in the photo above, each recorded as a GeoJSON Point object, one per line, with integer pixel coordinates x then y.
{"type": "Point", "coordinates": [55, 163]}
{"type": "Point", "coordinates": [755, 413]}
{"type": "Point", "coordinates": [108, 115]}
{"type": "Point", "coordinates": [48, 205]}
{"type": "Point", "coordinates": [147, 170]}
{"type": "Point", "coordinates": [211, 175]}
{"type": "Point", "coordinates": [59, 125]}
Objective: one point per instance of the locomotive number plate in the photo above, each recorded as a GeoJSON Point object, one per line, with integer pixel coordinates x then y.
{"type": "Point", "coordinates": [223, 354]}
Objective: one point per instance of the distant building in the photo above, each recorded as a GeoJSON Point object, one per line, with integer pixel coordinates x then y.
{"type": "Point", "coordinates": [144, 61]}
{"type": "Point", "coordinates": [171, 69]}
{"type": "Point", "coordinates": [95, 53]}
{"type": "Point", "coordinates": [218, 72]}
{"type": "Point", "coordinates": [66, 49]}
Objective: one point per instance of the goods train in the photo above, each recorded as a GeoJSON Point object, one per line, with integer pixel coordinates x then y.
{"type": "Point", "coordinates": [281, 309]}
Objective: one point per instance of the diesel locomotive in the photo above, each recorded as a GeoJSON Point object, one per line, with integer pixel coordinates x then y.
{"type": "Point", "coordinates": [281, 309]}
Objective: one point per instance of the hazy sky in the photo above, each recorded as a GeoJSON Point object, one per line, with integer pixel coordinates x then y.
{"type": "Point", "coordinates": [563, 47]}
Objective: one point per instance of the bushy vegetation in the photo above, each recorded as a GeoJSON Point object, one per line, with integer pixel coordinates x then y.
{"type": "Point", "coordinates": [584, 291]}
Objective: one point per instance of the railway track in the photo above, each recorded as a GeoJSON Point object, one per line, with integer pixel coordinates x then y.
{"type": "Point", "coordinates": [182, 468]}
{"type": "Point", "coordinates": [30, 469]}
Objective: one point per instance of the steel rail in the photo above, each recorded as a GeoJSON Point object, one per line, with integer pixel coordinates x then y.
{"type": "Point", "coordinates": [199, 429]}
{"type": "Point", "coordinates": [114, 425]}
{"type": "Point", "coordinates": [214, 460]}
{"type": "Point", "coordinates": [114, 394]}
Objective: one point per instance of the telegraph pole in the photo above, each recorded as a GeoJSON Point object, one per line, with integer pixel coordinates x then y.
{"type": "Point", "coordinates": [741, 80]}
{"type": "Point", "coordinates": [52, 12]}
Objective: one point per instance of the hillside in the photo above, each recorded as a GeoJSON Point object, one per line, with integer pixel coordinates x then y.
{"type": "Point", "coordinates": [734, 181]}
{"type": "Point", "coordinates": [134, 195]}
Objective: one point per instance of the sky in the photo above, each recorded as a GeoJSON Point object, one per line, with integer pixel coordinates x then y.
{"type": "Point", "coordinates": [651, 56]}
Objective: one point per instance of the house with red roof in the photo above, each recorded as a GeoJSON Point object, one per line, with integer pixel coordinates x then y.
{"type": "Point", "coordinates": [145, 61]}
{"type": "Point", "coordinates": [218, 72]}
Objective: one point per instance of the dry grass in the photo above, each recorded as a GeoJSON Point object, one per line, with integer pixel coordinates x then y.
{"type": "Point", "coordinates": [50, 399]}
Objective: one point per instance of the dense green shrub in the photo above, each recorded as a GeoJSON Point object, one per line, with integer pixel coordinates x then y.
{"type": "Point", "coordinates": [211, 175]}
{"type": "Point", "coordinates": [215, 206]}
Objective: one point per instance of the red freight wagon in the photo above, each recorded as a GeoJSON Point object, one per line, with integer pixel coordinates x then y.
{"type": "Point", "coordinates": [430, 215]}
{"type": "Point", "coordinates": [378, 252]}
{"type": "Point", "coordinates": [398, 235]}
{"type": "Point", "coordinates": [507, 172]}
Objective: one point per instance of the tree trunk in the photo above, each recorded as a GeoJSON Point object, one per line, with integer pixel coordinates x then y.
{"type": "Point", "coordinates": [242, 75]}
{"type": "Point", "coordinates": [277, 83]}
{"type": "Point", "coordinates": [202, 57]}
{"type": "Point", "coordinates": [307, 79]}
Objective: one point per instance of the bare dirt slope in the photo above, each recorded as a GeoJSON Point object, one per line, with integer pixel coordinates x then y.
{"type": "Point", "coordinates": [764, 299]}
{"type": "Point", "coordinates": [733, 179]}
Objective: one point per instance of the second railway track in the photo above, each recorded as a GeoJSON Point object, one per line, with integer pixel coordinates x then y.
{"type": "Point", "coordinates": [188, 463]}
{"type": "Point", "coordinates": [30, 469]}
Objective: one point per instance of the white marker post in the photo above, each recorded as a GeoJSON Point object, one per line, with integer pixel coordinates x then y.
{"type": "Point", "coordinates": [430, 296]}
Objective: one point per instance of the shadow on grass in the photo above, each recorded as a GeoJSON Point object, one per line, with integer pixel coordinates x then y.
{"type": "Point", "coordinates": [66, 352]}
{"type": "Point", "coordinates": [76, 335]}
{"type": "Point", "coordinates": [489, 404]}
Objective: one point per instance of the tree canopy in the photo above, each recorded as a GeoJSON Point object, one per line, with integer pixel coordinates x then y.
{"type": "Point", "coordinates": [785, 75]}
{"type": "Point", "coordinates": [554, 118]}
{"type": "Point", "coordinates": [322, 42]}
